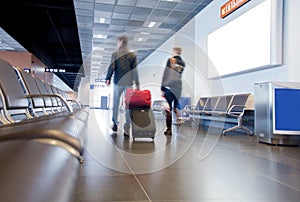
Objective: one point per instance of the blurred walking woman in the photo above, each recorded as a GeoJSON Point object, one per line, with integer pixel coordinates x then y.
{"type": "Point", "coordinates": [172, 85]}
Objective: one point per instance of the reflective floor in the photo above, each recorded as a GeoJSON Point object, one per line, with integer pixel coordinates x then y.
{"type": "Point", "coordinates": [191, 165]}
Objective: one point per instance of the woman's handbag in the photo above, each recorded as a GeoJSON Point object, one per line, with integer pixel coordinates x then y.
{"type": "Point", "coordinates": [176, 66]}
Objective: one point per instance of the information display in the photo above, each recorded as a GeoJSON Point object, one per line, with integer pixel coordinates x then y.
{"type": "Point", "coordinates": [286, 110]}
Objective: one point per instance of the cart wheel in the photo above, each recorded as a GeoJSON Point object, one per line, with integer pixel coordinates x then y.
{"type": "Point", "coordinates": [80, 160]}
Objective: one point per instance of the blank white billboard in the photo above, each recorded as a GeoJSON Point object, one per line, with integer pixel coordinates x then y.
{"type": "Point", "coordinates": [250, 42]}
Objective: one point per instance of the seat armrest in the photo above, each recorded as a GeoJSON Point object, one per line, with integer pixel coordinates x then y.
{"type": "Point", "coordinates": [78, 103]}
{"type": "Point", "coordinates": [52, 95]}
{"type": "Point", "coordinates": [236, 110]}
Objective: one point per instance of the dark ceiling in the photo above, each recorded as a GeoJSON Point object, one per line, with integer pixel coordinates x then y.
{"type": "Point", "coordinates": [47, 29]}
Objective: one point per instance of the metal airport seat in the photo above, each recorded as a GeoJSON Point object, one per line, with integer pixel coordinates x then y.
{"type": "Point", "coordinates": [56, 105]}
{"type": "Point", "coordinates": [228, 108]}
{"type": "Point", "coordinates": [236, 110]}
{"type": "Point", "coordinates": [50, 102]}
{"type": "Point", "coordinates": [200, 105]}
{"type": "Point", "coordinates": [13, 96]}
{"type": "Point", "coordinates": [66, 129]}
{"type": "Point", "coordinates": [72, 102]}
{"type": "Point", "coordinates": [3, 119]}
{"type": "Point", "coordinates": [222, 105]}
{"type": "Point", "coordinates": [211, 104]}
{"type": "Point", "coordinates": [34, 171]}
{"type": "Point", "coordinates": [38, 106]}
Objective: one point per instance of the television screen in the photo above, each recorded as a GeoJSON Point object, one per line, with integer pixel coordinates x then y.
{"type": "Point", "coordinates": [286, 111]}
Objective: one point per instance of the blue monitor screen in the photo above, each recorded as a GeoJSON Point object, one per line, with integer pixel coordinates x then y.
{"type": "Point", "coordinates": [287, 109]}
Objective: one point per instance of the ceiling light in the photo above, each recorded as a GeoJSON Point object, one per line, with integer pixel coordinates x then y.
{"type": "Point", "coordinates": [97, 56]}
{"type": "Point", "coordinates": [151, 24]}
{"type": "Point", "coordinates": [7, 47]}
{"type": "Point", "coordinates": [100, 36]}
{"type": "Point", "coordinates": [98, 48]}
{"type": "Point", "coordinates": [145, 33]}
{"type": "Point", "coordinates": [102, 20]}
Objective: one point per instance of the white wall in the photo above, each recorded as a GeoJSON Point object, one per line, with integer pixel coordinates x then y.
{"type": "Point", "coordinates": [84, 90]}
{"type": "Point", "coordinates": [291, 39]}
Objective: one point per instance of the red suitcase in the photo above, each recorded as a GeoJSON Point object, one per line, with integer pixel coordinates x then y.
{"type": "Point", "coordinates": [139, 104]}
{"type": "Point", "coordinates": [137, 98]}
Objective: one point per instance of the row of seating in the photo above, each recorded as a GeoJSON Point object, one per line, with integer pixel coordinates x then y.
{"type": "Point", "coordinates": [42, 138]}
{"type": "Point", "coordinates": [229, 108]}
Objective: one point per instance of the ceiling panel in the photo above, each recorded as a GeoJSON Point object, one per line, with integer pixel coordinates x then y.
{"type": "Point", "coordinates": [127, 2]}
{"type": "Point", "coordinates": [106, 1]}
{"type": "Point", "coordinates": [147, 3]}
{"type": "Point", "coordinates": [103, 7]}
{"type": "Point", "coordinates": [123, 9]}
{"type": "Point", "coordinates": [121, 16]}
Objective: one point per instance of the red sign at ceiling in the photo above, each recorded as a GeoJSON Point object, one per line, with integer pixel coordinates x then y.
{"type": "Point", "coordinates": [231, 6]}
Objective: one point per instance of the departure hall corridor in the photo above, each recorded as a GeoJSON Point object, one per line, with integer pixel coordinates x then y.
{"type": "Point", "coordinates": [192, 165]}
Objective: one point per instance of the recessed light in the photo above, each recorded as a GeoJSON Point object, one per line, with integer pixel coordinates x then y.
{"type": "Point", "coordinates": [102, 20]}
{"type": "Point", "coordinates": [100, 36]}
{"type": "Point", "coordinates": [151, 24]}
{"type": "Point", "coordinates": [145, 33]}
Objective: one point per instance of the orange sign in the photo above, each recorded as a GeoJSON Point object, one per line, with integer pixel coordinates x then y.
{"type": "Point", "coordinates": [231, 6]}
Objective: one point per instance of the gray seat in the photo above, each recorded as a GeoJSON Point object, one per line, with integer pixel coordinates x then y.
{"type": "Point", "coordinates": [224, 108]}
{"type": "Point", "coordinates": [34, 171]}
{"type": "Point", "coordinates": [15, 102]}
{"type": "Point", "coordinates": [30, 86]}
{"type": "Point", "coordinates": [200, 105]}
{"type": "Point", "coordinates": [223, 104]}
{"type": "Point", "coordinates": [236, 110]}
{"type": "Point", "coordinates": [48, 100]}
{"type": "Point", "coordinates": [65, 128]}
{"type": "Point", "coordinates": [3, 120]}
{"type": "Point", "coordinates": [211, 104]}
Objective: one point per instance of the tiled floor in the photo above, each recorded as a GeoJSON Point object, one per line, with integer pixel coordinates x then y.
{"type": "Point", "coordinates": [192, 165]}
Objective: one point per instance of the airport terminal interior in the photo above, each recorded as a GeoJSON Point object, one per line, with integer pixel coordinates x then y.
{"type": "Point", "coordinates": [235, 136]}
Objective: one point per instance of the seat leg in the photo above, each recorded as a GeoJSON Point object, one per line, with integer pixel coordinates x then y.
{"type": "Point", "coordinates": [239, 126]}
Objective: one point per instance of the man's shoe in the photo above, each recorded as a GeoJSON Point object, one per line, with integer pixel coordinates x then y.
{"type": "Point", "coordinates": [115, 127]}
{"type": "Point", "coordinates": [168, 132]}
